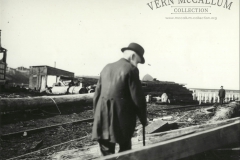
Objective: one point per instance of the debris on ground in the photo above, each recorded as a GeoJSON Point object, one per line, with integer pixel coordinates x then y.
{"type": "Point", "coordinates": [36, 144]}
{"type": "Point", "coordinates": [226, 111]}
{"type": "Point", "coordinates": [176, 118]}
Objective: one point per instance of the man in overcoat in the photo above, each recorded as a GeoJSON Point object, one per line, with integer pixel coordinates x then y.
{"type": "Point", "coordinates": [118, 100]}
{"type": "Point", "coordinates": [221, 94]}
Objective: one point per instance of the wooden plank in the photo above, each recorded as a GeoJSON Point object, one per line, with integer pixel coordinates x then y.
{"type": "Point", "coordinates": [184, 146]}
{"type": "Point", "coordinates": [155, 126]}
{"type": "Point", "coordinates": [229, 149]}
{"type": "Point", "coordinates": [13, 104]}
{"type": "Point", "coordinates": [204, 126]}
{"type": "Point", "coordinates": [199, 128]}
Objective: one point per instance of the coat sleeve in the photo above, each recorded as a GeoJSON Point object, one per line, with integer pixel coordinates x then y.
{"type": "Point", "coordinates": [137, 95]}
{"type": "Point", "coordinates": [96, 95]}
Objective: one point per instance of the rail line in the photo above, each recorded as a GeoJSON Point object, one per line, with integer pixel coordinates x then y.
{"type": "Point", "coordinates": [30, 131]}
{"type": "Point", "coordinates": [184, 107]}
{"type": "Point", "coordinates": [54, 147]}
{"type": "Point", "coordinates": [44, 149]}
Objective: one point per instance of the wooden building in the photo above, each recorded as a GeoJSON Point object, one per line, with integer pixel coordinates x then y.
{"type": "Point", "coordinates": [42, 76]}
{"type": "Point", "coordinates": [3, 64]}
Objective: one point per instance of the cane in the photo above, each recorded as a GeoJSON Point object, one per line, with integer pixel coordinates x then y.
{"type": "Point", "coordinates": [143, 135]}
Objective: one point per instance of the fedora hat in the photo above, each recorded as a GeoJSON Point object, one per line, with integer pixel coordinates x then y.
{"type": "Point", "coordinates": [137, 49]}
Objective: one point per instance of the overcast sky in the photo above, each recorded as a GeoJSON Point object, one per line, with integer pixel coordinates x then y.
{"type": "Point", "coordinates": [82, 36]}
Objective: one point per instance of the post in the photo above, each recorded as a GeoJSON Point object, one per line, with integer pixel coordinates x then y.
{"type": "Point", "coordinates": [205, 97]}
{"type": "Point", "coordinates": [200, 98]}
{"type": "Point", "coordinates": [143, 135]}
{"type": "Point", "coordinates": [214, 97]}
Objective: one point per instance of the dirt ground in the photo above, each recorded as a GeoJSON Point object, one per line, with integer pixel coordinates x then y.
{"type": "Point", "coordinates": [16, 146]}
{"type": "Point", "coordinates": [21, 121]}
{"type": "Point", "coordinates": [29, 120]}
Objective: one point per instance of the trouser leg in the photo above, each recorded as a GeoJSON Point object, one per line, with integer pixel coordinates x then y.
{"type": "Point", "coordinates": [106, 147]}
{"type": "Point", "coordinates": [125, 146]}
{"type": "Point", "coordinates": [221, 101]}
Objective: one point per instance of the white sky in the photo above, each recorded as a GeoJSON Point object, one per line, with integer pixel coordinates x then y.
{"type": "Point", "coordinates": [83, 36]}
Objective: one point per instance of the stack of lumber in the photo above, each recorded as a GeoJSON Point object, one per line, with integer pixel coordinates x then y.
{"type": "Point", "coordinates": [178, 91]}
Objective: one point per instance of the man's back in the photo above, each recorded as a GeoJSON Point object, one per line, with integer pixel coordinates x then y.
{"type": "Point", "coordinates": [221, 93]}
{"type": "Point", "coordinates": [117, 100]}
{"type": "Point", "coordinates": [114, 79]}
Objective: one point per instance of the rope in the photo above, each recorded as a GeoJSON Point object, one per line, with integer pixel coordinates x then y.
{"type": "Point", "coordinates": [56, 106]}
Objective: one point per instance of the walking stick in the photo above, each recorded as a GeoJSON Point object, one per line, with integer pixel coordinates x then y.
{"type": "Point", "coordinates": [143, 135]}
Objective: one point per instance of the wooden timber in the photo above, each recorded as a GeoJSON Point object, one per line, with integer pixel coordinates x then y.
{"type": "Point", "coordinates": [14, 104]}
{"type": "Point", "coordinates": [184, 146]}
{"type": "Point", "coordinates": [63, 89]}
{"type": "Point", "coordinates": [177, 91]}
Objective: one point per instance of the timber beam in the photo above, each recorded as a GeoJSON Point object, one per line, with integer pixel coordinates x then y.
{"type": "Point", "coordinates": [184, 146]}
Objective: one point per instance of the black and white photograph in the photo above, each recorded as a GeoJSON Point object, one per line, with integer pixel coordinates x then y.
{"type": "Point", "coordinates": [125, 80]}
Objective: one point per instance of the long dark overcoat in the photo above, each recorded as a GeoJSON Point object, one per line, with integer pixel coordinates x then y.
{"type": "Point", "coordinates": [118, 99]}
{"type": "Point", "coordinates": [221, 93]}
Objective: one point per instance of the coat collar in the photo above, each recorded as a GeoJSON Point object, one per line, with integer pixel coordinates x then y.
{"type": "Point", "coordinates": [123, 59]}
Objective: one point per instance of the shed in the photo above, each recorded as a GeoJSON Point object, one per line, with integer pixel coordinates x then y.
{"type": "Point", "coordinates": [42, 76]}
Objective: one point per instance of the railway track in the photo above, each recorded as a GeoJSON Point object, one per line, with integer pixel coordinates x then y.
{"type": "Point", "coordinates": [48, 149]}
{"type": "Point", "coordinates": [60, 141]}
{"type": "Point", "coordinates": [37, 139]}
{"type": "Point", "coordinates": [187, 107]}
{"type": "Point", "coordinates": [35, 130]}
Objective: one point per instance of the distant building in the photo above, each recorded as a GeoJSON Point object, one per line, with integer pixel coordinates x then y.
{"type": "Point", "coordinates": [3, 64]}
{"type": "Point", "coordinates": [22, 69]}
{"type": "Point", "coordinates": [42, 76]}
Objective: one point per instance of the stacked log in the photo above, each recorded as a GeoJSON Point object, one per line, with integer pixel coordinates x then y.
{"type": "Point", "coordinates": [178, 92]}
{"type": "Point", "coordinates": [66, 90]}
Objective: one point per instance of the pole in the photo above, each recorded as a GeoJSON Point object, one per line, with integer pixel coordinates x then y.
{"type": "Point", "coordinates": [143, 135]}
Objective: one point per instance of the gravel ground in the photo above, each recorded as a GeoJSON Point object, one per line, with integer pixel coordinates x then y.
{"type": "Point", "coordinates": [15, 146]}
{"type": "Point", "coordinates": [19, 145]}
{"type": "Point", "coordinates": [25, 144]}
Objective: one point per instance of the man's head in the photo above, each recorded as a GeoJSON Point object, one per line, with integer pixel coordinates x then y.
{"type": "Point", "coordinates": [221, 87]}
{"type": "Point", "coordinates": [134, 53]}
{"type": "Point", "coordinates": [132, 57]}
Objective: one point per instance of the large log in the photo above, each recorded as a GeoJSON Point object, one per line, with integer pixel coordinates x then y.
{"type": "Point", "coordinates": [14, 104]}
